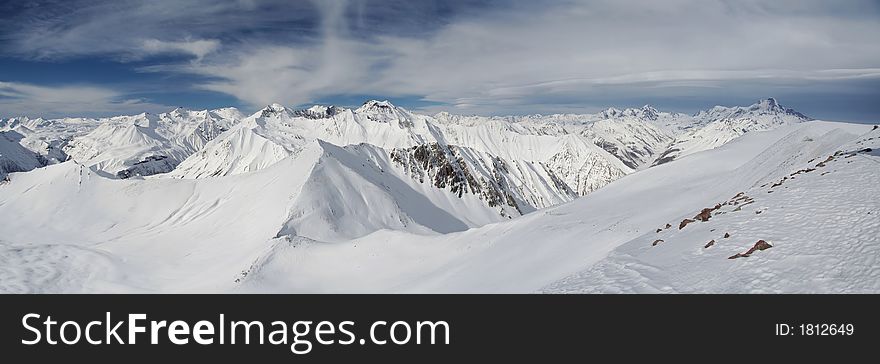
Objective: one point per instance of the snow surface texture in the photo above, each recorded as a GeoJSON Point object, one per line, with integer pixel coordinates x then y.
{"type": "Point", "coordinates": [379, 199]}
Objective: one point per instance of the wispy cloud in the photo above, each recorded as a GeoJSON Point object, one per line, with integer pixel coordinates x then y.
{"type": "Point", "coordinates": [566, 49]}
{"type": "Point", "coordinates": [198, 48]}
{"type": "Point", "coordinates": [40, 101]}
{"type": "Point", "coordinates": [132, 30]}
{"type": "Point", "coordinates": [516, 56]}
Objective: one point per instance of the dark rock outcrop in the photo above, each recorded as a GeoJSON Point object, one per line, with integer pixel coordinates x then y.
{"type": "Point", "coordinates": [151, 165]}
{"type": "Point", "coordinates": [684, 223]}
{"type": "Point", "coordinates": [444, 167]}
{"type": "Point", "coordinates": [760, 245]}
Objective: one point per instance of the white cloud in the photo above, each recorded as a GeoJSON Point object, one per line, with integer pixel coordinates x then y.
{"type": "Point", "coordinates": [198, 48]}
{"type": "Point", "coordinates": [572, 49]}
{"type": "Point", "coordinates": [127, 30]}
{"type": "Point", "coordinates": [71, 100]}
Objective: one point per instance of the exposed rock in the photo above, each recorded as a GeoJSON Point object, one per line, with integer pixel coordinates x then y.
{"type": "Point", "coordinates": [704, 215]}
{"type": "Point", "coordinates": [726, 235]}
{"type": "Point", "coordinates": [760, 245]}
{"type": "Point", "coordinates": [684, 223]}
{"type": "Point", "coordinates": [822, 163]}
{"type": "Point", "coordinates": [668, 226]}
{"type": "Point", "coordinates": [444, 167]}
{"type": "Point", "coordinates": [749, 202]}
{"type": "Point", "coordinates": [151, 165]}
{"type": "Point", "coordinates": [666, 157]}
{"type": "Point", "coordinates": [658, 241]}
{"type": "Point", "coordinates": [710, 243]}
{"type": "Point", "coordinates": [659, 230]}
{"type": "Point", "coordinates": [777, 184]}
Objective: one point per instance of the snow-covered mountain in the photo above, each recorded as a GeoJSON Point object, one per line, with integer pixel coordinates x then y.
{"type": "Point", "coordinates": [514, 165]}
{"type": "Point", "coordinates": [47, 138]}
{"type": "Point", "coordinates": [720, 125]}
{"type": "Point", "coordinates": [509, 167]}
{"type": "Point", "coordinates": [147, 144]}
{"type": "Point", "coordinates": [122, 146]}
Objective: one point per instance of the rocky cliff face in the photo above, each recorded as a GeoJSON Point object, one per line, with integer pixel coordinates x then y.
{"type": "Point", "coordinates": [513, 187]}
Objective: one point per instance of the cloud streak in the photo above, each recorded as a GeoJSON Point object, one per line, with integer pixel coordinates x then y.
{"type": "Point", "coordinates": [572, 49]}
{"type": "Point", "coordinates": [484, 57]}
{"type": "Point", "coordinates": [198, 48]}
{"type": "Point", "coordinates": [32, 100]}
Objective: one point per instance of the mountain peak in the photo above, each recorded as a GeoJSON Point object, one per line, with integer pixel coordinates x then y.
{"type": "Point", "coordinates": [768, 104]}
{"type": "Point", "coordinates": [649, 112]}
{"type": "Point", "coordinates": [272, 109]}
{"type": "Point", "coordinates": [376, 105]}
{"type": "Point", "coordinates": [645, 112]}
{"type": "Point", "coordinates": [610, 112]}
{"type": "Point", "coordinates": [319, 112]}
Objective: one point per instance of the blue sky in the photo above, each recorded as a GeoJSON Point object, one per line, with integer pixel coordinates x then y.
{"type": "Point", "coordinates": [94, 58]}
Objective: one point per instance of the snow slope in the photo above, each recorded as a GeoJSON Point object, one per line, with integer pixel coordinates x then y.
{"type": "Point", "coordinates": [14, 157]}
{"type": "Point", "coordinates": [819, 217]}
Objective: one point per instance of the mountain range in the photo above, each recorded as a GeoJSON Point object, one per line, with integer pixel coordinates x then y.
{"type": "Point", "coordinates": [379, 198]}
{"type": "Point", "coordinates": [514, 165]}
